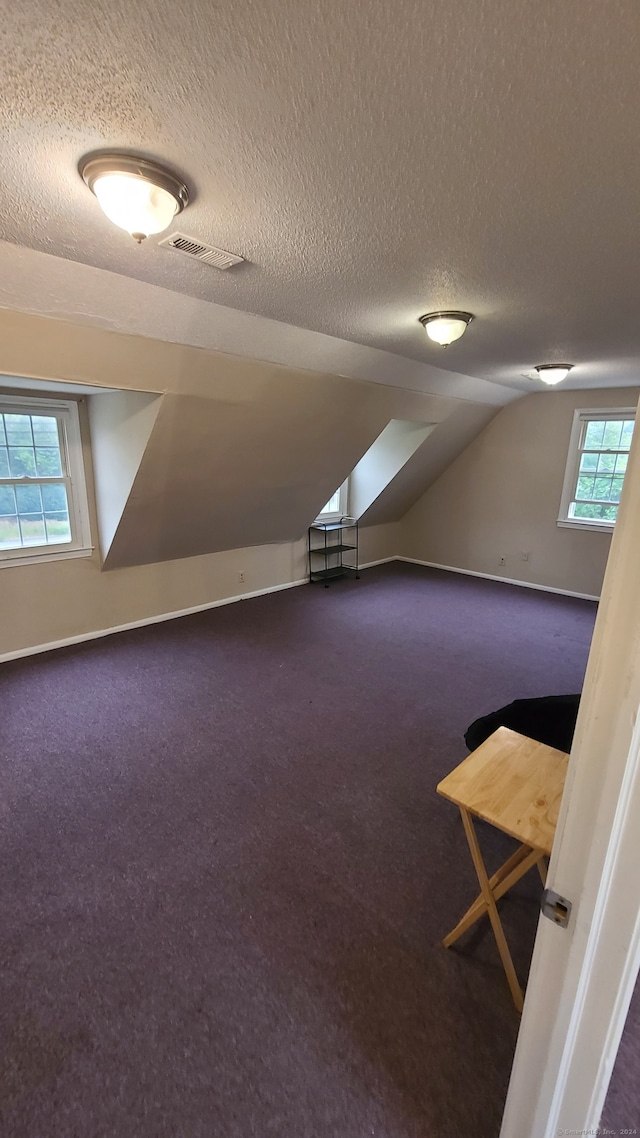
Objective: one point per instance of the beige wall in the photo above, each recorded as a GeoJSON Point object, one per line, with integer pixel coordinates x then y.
{"type": "Point", "coordinates": [262, 448]}
{"type": "Point", "coordinates": [501, 496]}
{"type": "Point", "coordinates": [379, 543]}
{"type": "Point", "coordinates": [77, 599]}
{"type": "Point", "coordinates": [44, 604]}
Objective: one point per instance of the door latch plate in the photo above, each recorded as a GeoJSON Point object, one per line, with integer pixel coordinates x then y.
{"type": "Point", "coordinates": [556, 908]}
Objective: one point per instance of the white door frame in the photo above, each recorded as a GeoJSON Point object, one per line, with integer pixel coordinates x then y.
{"type": "Point", "coordinates": [582, 977]}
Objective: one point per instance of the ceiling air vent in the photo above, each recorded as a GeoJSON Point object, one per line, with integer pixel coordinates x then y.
{"type": "Point", "coordinates": [219, 258]}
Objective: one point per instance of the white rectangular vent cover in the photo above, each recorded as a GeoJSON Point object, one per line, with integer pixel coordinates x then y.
{"type": "Point", "coordinates": [219, 258]}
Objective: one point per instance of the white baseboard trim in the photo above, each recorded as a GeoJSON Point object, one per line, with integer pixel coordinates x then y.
{"type": "Point", "coordinates": [69, 640]}
{"type": "Point", "coordinates": [504, 580]}
{"type": "Point", "coordinates": [84, 636]}
{"type": "Point", "coordinates": [380, 561]}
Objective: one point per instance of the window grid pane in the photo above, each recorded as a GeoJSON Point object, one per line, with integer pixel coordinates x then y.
{"type": "Point", "coordinates": [22, 462]}
{"type": "Point", "coordinates": [29, 499]}
{"type": "Point", "coordinates": [594, 433]}
{"type": "Point", "coordinates": [32, 529]}
{"type": "Point", "coordinates": [612, 434]}
{"type": "Point", "coordinates": [18, 430]}
{"type": "Point", "coordinates": [48, 462]}
{"type": "Point", "coordinates": [45, 430]}
{"type": "Point", "coordinates": [10, 532]}
{"type": "Point", "coordinates": [57, 527]}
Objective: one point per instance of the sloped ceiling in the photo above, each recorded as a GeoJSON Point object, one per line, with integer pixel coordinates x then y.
{"type": "Point", "coordinates": [371, 161]}
{"type": "Point", "coordinates": [195, 451]}
{"type": "Point", "coordinates": [445, 442]}
{"type": "Point", "coordinates": [251, 461]}
{"type": "Point", "coordinates": [379, 467]}
{"type": "Point", "coordinates": [121, 425]}
{"type": "Point", "coordinates": [39, 284]}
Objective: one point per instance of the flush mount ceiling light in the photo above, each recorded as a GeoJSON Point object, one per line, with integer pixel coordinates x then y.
{"type": "Point", "coordinates": [445, 327]}
{"type": "Point", "coordinates": [138, 196]}
{"type": "Point", "coordinates": [553, 373]}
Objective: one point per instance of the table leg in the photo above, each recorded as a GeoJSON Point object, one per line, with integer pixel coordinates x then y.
{"type": "Point", "coordinates": [502, 881]}
{"type": "Point", "coordinates": [487, 893]}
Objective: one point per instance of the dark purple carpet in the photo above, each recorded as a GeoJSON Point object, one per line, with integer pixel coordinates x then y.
{"type": "Point", "coordinates": [226, 871]}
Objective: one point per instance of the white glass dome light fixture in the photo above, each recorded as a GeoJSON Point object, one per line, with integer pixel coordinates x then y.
{"type": "Point", "coordinates": [553, 373]}
{"type": "Point", "coordinates": [445, 327]}
{"type": "Point", "coordinates": [137, 195]}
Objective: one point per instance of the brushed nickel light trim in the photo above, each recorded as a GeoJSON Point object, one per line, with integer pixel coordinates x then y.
{"type": "Point", "coordinates": [433, 322]}
{"type": "Point", "coordinates": [101, 166]}
{"type": "Point", "coordinates": [546, 372]}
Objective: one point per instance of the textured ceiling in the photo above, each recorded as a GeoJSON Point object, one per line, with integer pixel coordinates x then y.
{"type": "Point", "coordinates": [37, 283]}
{"type": "Point", "coordinates": [371, 160]}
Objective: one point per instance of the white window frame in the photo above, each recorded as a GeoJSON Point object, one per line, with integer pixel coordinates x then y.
{"type": "Point", "coordinates": [581, 417]}
{"type": "Point", "coordinates": [343, 505]}
{"type": "Point", "coordinates": [66, 412]}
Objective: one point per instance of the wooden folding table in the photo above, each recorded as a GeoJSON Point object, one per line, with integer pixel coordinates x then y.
{"type": "Point", "coordinates": [515, 784]}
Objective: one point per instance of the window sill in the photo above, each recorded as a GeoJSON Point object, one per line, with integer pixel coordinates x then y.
{"type": "Point", "coordinates": [598, 527]}
{"type": "Point", "coordinates": [37, 558]}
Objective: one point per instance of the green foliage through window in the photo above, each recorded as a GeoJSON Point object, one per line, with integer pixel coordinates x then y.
{"type": "Point", "coordinates": [603, 457]}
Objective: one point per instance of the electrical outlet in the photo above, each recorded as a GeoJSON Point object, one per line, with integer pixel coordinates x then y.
{"type": "Point", "coordinates": [241, 576]}
{"type": "Point", "coordinates": [525, 555]}
{"type": "Point", "coordinates": [502, 561]}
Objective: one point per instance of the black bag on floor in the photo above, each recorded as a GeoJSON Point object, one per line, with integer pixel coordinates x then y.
{"type": "Point", "coordinates": [550, 719]}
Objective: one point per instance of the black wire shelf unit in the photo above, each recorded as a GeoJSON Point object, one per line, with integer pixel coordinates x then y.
{"type": "Point", "coordinates": [333, 550]}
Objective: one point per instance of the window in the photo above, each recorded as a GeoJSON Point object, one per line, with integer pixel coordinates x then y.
{"type": "Point", "coordinates": [598, 455]}
{"type": "Point", "coordinates": [337, 505]}
{"type": "Point", "coordinates": [43, 504]}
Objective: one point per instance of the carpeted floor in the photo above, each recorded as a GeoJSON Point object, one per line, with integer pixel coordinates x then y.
{"type": "Point", "coordinates": [225, 870]}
